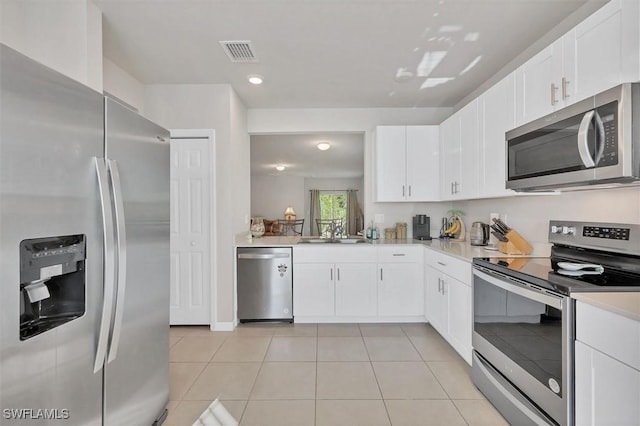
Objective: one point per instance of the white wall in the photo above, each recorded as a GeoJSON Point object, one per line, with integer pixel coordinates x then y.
{"type": "Point", "coordinates": [265, 121]}
{"type": "Point", "coordinates": [64, 35]}
{"type": "Point", "coordinates": [530, 214]}
{"type": "Point", "coordinates": [123, 85]}
{"type": "Point", "coordinates": [214, 106]}
{"type": "Point", "coordinates": [271, 195]}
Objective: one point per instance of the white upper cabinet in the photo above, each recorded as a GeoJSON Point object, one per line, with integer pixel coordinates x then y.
{"type": "Point", "coordinates": [406, 163]}
{"type": "Point", "coordinates": [459, 148]}
{"type": "Point", "coordinates": [606, 50]}
{"type": "Point", "coordinates": [599, 53]}
{"type": "Point", "coordinates": [536, 83]}
{"type": "Point", "coordinates": [496, 112]}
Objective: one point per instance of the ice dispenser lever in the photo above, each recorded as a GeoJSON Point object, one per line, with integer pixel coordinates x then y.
{"type": "Point", "coordinates": [52, 283]}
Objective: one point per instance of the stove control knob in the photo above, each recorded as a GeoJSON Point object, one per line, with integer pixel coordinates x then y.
{"type": "Point", "coordinates": [556, 229]}
{"type": "Point", "coordinates": [568, 230]}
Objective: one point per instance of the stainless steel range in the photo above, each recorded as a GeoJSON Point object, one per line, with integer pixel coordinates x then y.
{"type": "Point", "coordinates": [524, 326]}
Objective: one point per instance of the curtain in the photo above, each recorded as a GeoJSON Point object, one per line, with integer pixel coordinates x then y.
{"type": "Point", "coordinates": [314, 211]}
{"type": "Point", "coordinates": [355, 218]}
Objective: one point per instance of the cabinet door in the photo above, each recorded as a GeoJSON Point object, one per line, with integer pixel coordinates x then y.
{"type": "Point", "coordinates": [400, 289]}
{"type": "Point", "coordinates": [533, 84]}
{"type": "Point", "coordinates": [496, 116]}
{"type": "Point", "coordinates": [356, 290]}
{"type": "Point", "coordinates": [434, 300]}
{"type": "Point", "coordinates": [607, 391]}
{"type": "Point", "coordinates": [313, 289]}
{"type": "Point", "coordinates": [390, 163]}
{"type": "Point", "coordinates": [606, 49]}
{"type": "Point", "coordinates": [458, 296]}
{"type": "Point", "coordinates": [467, 184]}
{"type": "Point", "coordinates": [423, 163]}
{"type": "Point", "coordinates": [449, 156]}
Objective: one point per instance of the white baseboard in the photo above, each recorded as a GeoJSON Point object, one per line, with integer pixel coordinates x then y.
{"type": "Point", "coordinates": [222, 326]}
{"type": "Point", "coordinates": [361, 320]}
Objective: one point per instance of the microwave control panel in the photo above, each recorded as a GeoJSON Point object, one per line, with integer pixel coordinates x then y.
{"type": "Point", "coordinates": [609, 115]}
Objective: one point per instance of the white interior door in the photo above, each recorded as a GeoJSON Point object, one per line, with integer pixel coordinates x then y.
{"type": "Point", "coordinates": [191, 258]}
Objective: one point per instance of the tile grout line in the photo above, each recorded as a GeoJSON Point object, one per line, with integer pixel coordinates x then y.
{"type": "Point", "coordinates": [386, 409]}
{"type": "Point", "coordinates": [255, 380]}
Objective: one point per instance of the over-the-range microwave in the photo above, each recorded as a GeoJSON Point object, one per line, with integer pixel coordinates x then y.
{"type": "Point", "coordinates": [594, 142]}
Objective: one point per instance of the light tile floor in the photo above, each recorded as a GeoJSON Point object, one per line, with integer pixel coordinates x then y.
{"type": "Point", "coordinates": [325, 374]}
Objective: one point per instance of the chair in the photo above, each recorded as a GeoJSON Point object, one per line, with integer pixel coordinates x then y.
{"type": "Point", "coordinates": [326, 226]}
{"type": "Point", "coordinates": [293, 226]}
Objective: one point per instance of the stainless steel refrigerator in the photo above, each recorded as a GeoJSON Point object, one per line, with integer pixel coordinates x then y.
{"type": "Point", "coordinates": [84, 254]}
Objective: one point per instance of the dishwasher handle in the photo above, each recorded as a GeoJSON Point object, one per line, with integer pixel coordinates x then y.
{"type": "Point", "coordinates": [262, 256]}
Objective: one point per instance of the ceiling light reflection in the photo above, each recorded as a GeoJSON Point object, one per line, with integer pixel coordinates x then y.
{"type": "Point", "coordinates": [433, 82]}
{"type": "Point", "coordinates": [471, 65]}
{"type": "Point", "coordinates": [471, 36]}
{"type": "Point", "coordinates": [429, 62]}
{"type": "Point", "coordinates": [280, 167]}
{"type": "Point", "coordinates": [323, 146]}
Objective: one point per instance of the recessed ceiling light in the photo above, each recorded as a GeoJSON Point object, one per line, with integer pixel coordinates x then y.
{"type": "Point", "coordinates": [255, 79]}
{"type": "Point", "coordinates": [280, 167]}
{"type": "Point", "coordinates": [323, 146]}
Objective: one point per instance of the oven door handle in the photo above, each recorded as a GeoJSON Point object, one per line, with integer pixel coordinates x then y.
{"type": "Point", "coordinates": [547, 299]}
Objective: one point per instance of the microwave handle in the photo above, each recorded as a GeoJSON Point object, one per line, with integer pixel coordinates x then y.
{"type": "Point", "coordinates": [583, 140]}
{"type": "Point", "coordinates": [600, 141]}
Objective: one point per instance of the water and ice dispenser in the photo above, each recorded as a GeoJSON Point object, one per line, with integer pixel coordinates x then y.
{"type": "Point", "coordinates": [52, 283]}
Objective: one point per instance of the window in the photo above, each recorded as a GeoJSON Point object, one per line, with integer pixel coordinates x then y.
{"type": "Point", "coordinates": [333, 205]}
{"type": "Point", "coordinates": [333, 213]}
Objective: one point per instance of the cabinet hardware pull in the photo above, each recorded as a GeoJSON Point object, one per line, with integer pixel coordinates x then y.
{"type": "Point", "coordinates": [409, 190]}
{"type": "Point", "coordinates": [398, 254]}
{"type": "Point", "coordinates": [443, 264]}
{"type": "Point", "coordinates": [338, 274]}
{"type": "Point", "coordinates": [439, 285]}
{"type": "Point", "coordinates": [565, 92]}
{"type": "Point", "coordinates": [444, 289]}
{"type": "Point", "coordinates": [554, 101]}
{"type": "Point", "coordinates": [452, 188]}
{"type": "Point", "coordinates": [381, 279]}
{"type": "Point", "coordinates": [403, 190]}
{"type": "Point", "coordinates": [331, 273]}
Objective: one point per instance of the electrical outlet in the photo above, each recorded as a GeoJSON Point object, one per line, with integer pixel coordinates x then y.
{"type": "Point", "coordinates": [379, 218]}
{"type": "Point", "coordinates": [493, 216]}
{"type": "Point", "coordinates": [246, 219]}
{"type": "Point", "coordinates": [503, 217]}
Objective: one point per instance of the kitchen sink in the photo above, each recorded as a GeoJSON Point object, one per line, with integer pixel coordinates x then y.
{"type": "Point", "coordinates": [332, 240]}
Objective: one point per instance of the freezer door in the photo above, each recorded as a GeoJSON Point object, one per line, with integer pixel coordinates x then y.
{"type": "Point", "coordinates": [50, 129]}
{"type": "Point", "coordinates": [137, 372]}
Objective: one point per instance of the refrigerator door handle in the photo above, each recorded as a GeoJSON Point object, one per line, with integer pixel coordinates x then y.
{"type": "Point", "coordinates": [121, 251]}
{"type": "Point", "coordinates": [109, 262]}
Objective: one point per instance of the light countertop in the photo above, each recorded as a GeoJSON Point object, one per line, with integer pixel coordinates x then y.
{"type": "Point", "coordinates": [462, 250]}
{"type": "Point", "coordinates": [623, 303]}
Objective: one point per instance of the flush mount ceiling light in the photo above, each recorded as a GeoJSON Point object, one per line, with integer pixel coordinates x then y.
{"type": "Point", "coordinates": [280, 167]}
{"type": "Point", "coordinates": [323, 146]}
{"type": "Point", "coordinates": [255, 79]}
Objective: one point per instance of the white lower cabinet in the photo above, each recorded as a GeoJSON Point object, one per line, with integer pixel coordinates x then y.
{"type": "Point", "coordinates": [448, 300]}
{"type": "Point", "coordinates": [359, 284]}
{"type": "Point", "coordinates": [607, 390]}
{"type": "Point", "coordinates": [313, 289]}
{"type": "Point", "coordinates": [356, 293]}
{"type": "Point", "coordinates": [607, 367]}
{"type": "Point", "coordinates": [400, 289]}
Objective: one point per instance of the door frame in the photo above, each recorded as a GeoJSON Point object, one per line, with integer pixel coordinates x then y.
{"type": "Point", "coordinates": [209, 134]}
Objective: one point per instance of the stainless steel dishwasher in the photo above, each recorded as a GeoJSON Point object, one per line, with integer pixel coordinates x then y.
{"type": "Point", "coordinates": [265, 285]}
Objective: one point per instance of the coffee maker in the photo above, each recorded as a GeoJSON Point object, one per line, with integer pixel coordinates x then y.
{"type": "Point", "coordinates": [421, 227]}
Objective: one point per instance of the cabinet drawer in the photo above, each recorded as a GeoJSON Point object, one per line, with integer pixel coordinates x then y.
{"type": "Point", "coordinates": [456, 268]}
{"type": "Point", "coordinates": [612, 334]}
{"type": "Point", "coordinates": [400, 254]}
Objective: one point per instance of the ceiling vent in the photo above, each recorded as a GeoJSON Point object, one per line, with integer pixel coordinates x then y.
{"type": "Point", "coordinates": [239, 51]}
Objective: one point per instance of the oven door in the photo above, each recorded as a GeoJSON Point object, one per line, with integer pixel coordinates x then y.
{"type": "Point", "coordinates": [524, 332]}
